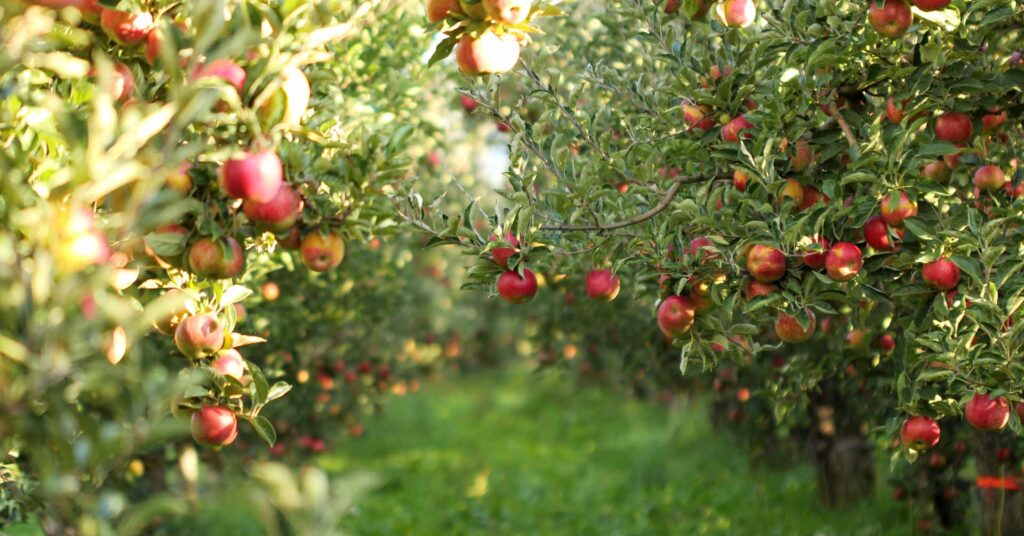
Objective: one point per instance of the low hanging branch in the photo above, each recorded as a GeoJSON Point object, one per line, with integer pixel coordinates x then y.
{"type": "Point", "coordinates": [662, 205]}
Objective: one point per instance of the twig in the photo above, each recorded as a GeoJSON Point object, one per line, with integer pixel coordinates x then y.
{"type": "Point", "coordinates": [662, 205]}
{"type": "Point", "coordinates": [850, 138]}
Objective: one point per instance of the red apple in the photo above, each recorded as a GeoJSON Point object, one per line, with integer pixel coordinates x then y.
{"type": "Point", "coordinates": [489, 54]}
{"type": "Point", "coordinates": [291, 240]}
{"type": "Point", "coordinates": [508, 11]}
{"type": "Point", "coordinates": [277, 215]}
{"type": "Point", "coordinates": [986, 413]}
{"type": "Point", "coordinates": [230, 363]}
{"type": "Point", "coordinates": [126, 28]}
{"type": "Point", "coordinates": [226, 70]}
{"type": "Point", "coordinates": [816, 259]}
{"type": "Point", "coordinates": [843, 261]}
{"type": "Point", "coordinates": [602, 285]}
{"type": "Point", "coordinates": [937, 171]}
{"type": "Point", "coordinates": [876, 232]}
{"type": "Point", "coordinates": [942, 274]}
{"type": "Point", "coordinates": [989, 178]}
{"type": "Point", "coordinates": [697, 116]}
{"type": "Point", "coordinates": [765, 263]}
{"type": "Point", "coordinates": [788, 328]}
{"type": "Point", "coordinates": [702, 248]}
{"type": "Point", "coordinates": [675, 316]}
{"type": "Point", "coordinates": [811, 196]}
{"type": "Point", "coordinates": [270, 291]}
{"type": "Point", "coordinates": [756, 288]}
{"type": "Point", "coordinates": [894, 112]}
{"type": "Point", "coordinates": [894, 212]}
{"type": "Point", "coordinates": [931, 5]}
{"type": "Point", "coordinates": [736, 13]}
{"type": "Point", "coordinates": [468, 103]}
{"type": "Point", "coordinates": [438, 10]}
{"type": "Point", "coordinates": [122, 85]}
{"type": "Point", "coordinates": [920, 433]}
{"type": "Point", "coordinates": [890, 18]}
{"type": "Point", "coordinates": [671, 6]}
{"type": "Point", "coordinates": [886, 342]}
{"type": "Point", "coordinates": [222, 258]}
{"type": "Point", "coordinates": [739, 180]}
{"type": "Point", "coordinates": [214, 426]}
{"type": "Point", "coordinates": [515, 288]}
{"type": "Point", "coordinates": [501, 255]}
{"type": "Point", "coordinates": [255, 177]}
{"type": "Point", "coordinates": [993, 122]}
{"type": "Point", "coordinates": [156, 39]}
{"type": "Point", "coordinates": [736, 127]}
{"type": "Point", "coordinates": [954, 127]}
{"type": "Point", "coordinates": [199, 336]}
{"type": "Point", "coordinates": [322, 251]}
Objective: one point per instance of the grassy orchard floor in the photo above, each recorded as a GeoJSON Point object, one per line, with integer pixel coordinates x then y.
{"type": "Point", "coordinates": [521, 454]}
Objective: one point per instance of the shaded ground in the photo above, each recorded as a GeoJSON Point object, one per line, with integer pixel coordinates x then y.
{"type": "Point", "coordinates": [520, 454]}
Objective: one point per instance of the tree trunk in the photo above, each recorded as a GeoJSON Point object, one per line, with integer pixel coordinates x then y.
{"type": "Point", "coordinates": [1002, 510]}
{"type": "Point", "coordinates": [844, 458]}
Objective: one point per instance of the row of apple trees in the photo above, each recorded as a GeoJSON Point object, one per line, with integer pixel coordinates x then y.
{"type": "Point", "coordinates": [199, 239]}
{"type": "Point", "coordinates": [821, 201]}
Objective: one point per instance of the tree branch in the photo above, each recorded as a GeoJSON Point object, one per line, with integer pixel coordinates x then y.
{"type": "Point", "coordinates": [653, 211]}
{"type": "Point", "coordinates": [847, 131]}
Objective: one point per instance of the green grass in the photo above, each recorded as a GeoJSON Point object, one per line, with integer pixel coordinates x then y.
{"type": "Point", "coordinates": [520, 454]}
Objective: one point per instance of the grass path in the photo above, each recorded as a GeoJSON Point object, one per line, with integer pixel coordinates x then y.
{"type": "Point", "coordinates": [519, 454]}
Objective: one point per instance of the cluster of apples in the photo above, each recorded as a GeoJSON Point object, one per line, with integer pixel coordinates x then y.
{"type": "Point", "coordinates": [731, 13]}
{"type": "Point", "coordinates": [983, 411]}
{"type": "Point", "coordinates": [490, 32]}
{"type": "Point", "coordinates": [891, 18]}
{"type": "Point", "coordinates": [516, 287]}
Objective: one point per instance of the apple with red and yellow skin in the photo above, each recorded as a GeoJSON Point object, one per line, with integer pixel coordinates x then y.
{"type": "Point", "coordinates": [766, 264]}
{"type": "Point", "coordinates": [515, 288]}
{"type": "Point", "coordinates": [993, 122]}
{"type": "Point", "coordinates": [508, 11]}
{"type": "Point", "coordinates": [221, 258]}
{"type": "Point", "coordinates": [228, 71]}
{"type": "Point", "coordinates": [489, 54]}
{"type": "Point", "coordinates": [255, 177]}
{"type": "Point", "coordinates": [792, 189]}
{"type": "Point", "coordinates": [843, 261]}
{"type": "Point", "coordinates": [890, 18]}
{"type": "Point", "coordinates": [230, 363]}
{"type": "Point", "coordinates": [816, 259]}
{"type": "Point", "coordinates": [736, 127]}
{"type": "Point", "coordinates": [122, 84]}
{"type": "Point", "coordinates": [277, 215]}
{"type": "Point", "coordinates": [270, 291]}
{"type": "Point", "coordinates": [876, 232]}
{"type": "Point", "coordinates": [894, 212]}
{"type": "Point", "coordinates": [802, 155]}
{"type": "Point", "coordinates": [942, 274]}
{"type": "Point", "coordinates": [986, 413]}
{"type": "Point", "coordinates": [788, 329]}
{"type": "Point", "coordinates": [989, 178]}
{"type": "Point", "coordinates": [438, 10]}
{"type": "Point", "coordinates": [697, 116]}
{"type": "Point", "coordinates": [920, 433]}
{"type": "Point", "coordinates": [214, 426]}
{"type": "Point", "coordinates": [893, 112]}
{"type": "Point", "coordinates": [199, 336]}
{"type": "Point", "coordinates": [736, 13]}
{"type": "Point", "coordinates": [937, 171]}
{"type": "Point", "coordinates": [931, 5]}
{"type": "Point", "coordinates": [702, 248]}
{"type": "Point", "coordinates": [954, 127]}
{"type": "Point", "coordinates": [124, 27]}
{"type": "Point", "coordinates": [602, 285]}
{"type": "Point", "coordinates": [856, 338]}
{"type": "Point", "coordinates": [675, 316]}
{"type": "Point", "coordinates": [179, 179]}
{"type": "Point", "coordinates": [322, 251]}
{"type": "Point", "coordinates": [288, 103]}
{"type": "Point", "coordinates": [740, 179]}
